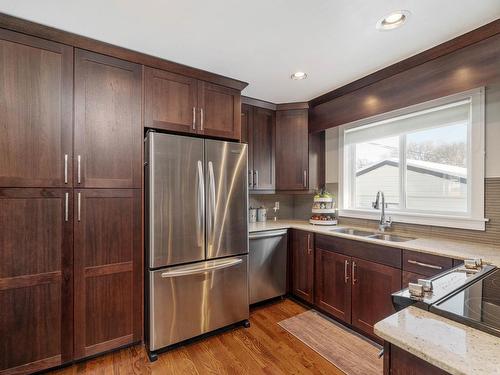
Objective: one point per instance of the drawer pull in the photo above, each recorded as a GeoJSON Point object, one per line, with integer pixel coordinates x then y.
{"type": "Point", "coordinates": [426, 265]}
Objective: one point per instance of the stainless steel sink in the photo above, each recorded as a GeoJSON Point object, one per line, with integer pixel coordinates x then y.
{"type": "Point", "coordinates": [353, 232]}
{"type": "Point", "coordinates": [390, 237]}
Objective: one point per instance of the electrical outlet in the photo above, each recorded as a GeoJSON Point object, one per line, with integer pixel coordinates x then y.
{"type": "Point", "coordinates": [277, 205]}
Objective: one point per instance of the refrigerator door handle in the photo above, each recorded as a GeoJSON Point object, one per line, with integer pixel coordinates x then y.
{"type": "Point", "coordinates": [200, 204]}
{"type": "Point", "coordinates": [211, 203]}
{"type": "Point", "coordinates": [201, 268]}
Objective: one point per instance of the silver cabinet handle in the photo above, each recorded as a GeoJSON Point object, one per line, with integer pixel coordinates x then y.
{"type": "Point", "coordinates": [201, 268]}
{"type": "Point", "coordinates": [309, 250]}
{"type": "Point", "coordinates": [250, 178]}
{"type": "Point", "coordinates": [305, 178]}
{"type": "Point", "coordinates": [211, 203]}
{"type": "Point", "coordinates": [79, 168]}
{"type": "Point", "coordinates": [79, 204]}
{"type": "Point", "coordinates": [346, 271]}
{"type": "Point", "coordinates": [354, 280]}
{"type": "Point", "coordinates": [201, 119]}
{"type": "Point", "coordinates": [65, 168]}
{"type": "Point", "coordinates": [425, 264]}
{"type": "Point", "coordinates": [256, 180]}
{"type": "Point", "coordinates": [201, 204]}
{"type": "Point", "coordinates": [66, 206]}
{"type": "Point", "coordinates": [194, 118]}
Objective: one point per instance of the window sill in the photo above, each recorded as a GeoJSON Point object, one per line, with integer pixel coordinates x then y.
{"type": "Point", "coordinates": [448, 221]}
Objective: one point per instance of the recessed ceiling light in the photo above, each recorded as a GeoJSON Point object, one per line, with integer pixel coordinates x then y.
{"type": "Point", "coordinates": [298, 75]}
{"type": "Point", "coordinates": [393, 20]}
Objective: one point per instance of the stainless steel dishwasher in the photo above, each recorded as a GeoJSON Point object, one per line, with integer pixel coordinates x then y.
{"type": "Point", "coordinates": [267, 264]}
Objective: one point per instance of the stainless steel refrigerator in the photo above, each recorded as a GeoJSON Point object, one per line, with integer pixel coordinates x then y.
{"type": "Point", "coordinates": [197, 237]}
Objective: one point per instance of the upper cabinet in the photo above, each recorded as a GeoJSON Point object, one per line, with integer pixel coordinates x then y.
{"type": "Point", "coordinates": [36, 81]}
{"type": "Point", "coordinates": [177, 103]}
{"type": "Point", "coordinates": [108, 132]}
{"type": "Point", "coordinates": [170, 101]}
{"type": "Point", "coordinates": [259, 126]}
{"type": "Point", "coordinates": [299, 155]}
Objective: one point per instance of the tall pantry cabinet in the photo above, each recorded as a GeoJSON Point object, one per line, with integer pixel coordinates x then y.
{"type": "Point", "coordinates": [70, 203]}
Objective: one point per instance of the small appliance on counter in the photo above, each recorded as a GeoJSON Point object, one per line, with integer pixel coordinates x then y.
{"type": "Point", "coordinates": [261, 214]}
{"type": "Point", "coordinates": [468, 294]}
{"type": "Point", "coordinates": [252, 215]}
{"type": "Point", "coordinates": [323, 209]}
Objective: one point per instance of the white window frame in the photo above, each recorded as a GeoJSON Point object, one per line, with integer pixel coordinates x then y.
{"type": "Point", "coordinates": [474, 218]}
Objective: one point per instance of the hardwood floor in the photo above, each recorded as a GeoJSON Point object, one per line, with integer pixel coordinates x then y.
{"type": "Point", "coordinates": [264, 348]}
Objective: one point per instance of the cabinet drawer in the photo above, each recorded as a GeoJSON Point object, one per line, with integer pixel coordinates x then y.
{"type": "Point", "coordinates": [376, 253]}
{"type": "Point", "coordinates": [425, 264]}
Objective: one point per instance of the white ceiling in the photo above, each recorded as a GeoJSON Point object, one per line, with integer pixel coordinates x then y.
{"type": "Point", "coordinates": [263, 41]}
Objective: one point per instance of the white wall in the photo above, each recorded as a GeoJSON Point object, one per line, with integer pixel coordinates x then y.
{"type": "Point", "coordinates": [492, 127]}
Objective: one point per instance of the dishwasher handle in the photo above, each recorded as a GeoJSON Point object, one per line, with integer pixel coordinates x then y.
{"type": "Point", "coordinates": [267, 234]}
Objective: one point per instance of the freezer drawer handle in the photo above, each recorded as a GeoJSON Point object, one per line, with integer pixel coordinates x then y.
{"type": "Point", "coordinates": [216, 265]}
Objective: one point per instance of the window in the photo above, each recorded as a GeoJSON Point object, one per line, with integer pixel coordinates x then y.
{"type": "Point", "coordinates": [428, 160]}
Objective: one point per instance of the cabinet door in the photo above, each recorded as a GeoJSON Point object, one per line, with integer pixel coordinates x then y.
{"type": "Point", "coordinates": [220, 111]}
{"type": "Point", "coordinates": [332, 286]}
{"type": "Point", "coordinates": [263, 128]}
{"type": "Point", "coordinates": [36, 307]}
{"type": "Point", "coordinates": [292, 150]}
{"type": "Point", "coordinates": [36, 81]}
{"type": "Point", "coordinates": [246, 120]}
{"type": "Point", "coordinates": [303, 265]}
{"type": "Point", "coordinates": [170, 101]}
{"type": "Point", "coordinates": [372, 286]}
{"type": "Point", "coordinates": [108, 132]}
{"type": "Point", "coordinates": [108, 286]}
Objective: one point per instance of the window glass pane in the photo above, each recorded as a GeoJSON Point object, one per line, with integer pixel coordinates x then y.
{"type": "Point", "coordinates": [436, 169]}
{"type": "Point", "coordinates": [377, 168]}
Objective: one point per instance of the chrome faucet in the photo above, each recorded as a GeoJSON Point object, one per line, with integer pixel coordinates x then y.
{"type": "Point", "coordinates": [383, 223]}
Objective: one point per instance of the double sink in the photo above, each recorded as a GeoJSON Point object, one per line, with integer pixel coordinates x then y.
{"type": "Point", "coordinates": [374, 235]}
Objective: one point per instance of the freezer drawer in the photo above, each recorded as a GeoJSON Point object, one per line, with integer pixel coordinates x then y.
{"type": "Point", "coordinates": [267, 265]}
{"type": "Point", "coordinates": [187, 301]}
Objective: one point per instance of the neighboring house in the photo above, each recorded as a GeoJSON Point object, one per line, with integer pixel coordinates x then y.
{"type": "Point", "coordinates": [430, 186]}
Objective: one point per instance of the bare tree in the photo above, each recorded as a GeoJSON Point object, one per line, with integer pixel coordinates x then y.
{"type": "Point", "coordinates": [444, 153]}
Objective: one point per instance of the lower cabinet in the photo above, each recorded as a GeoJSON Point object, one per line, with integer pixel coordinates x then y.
{"type": "Point", "coordinates": [36, 306]}
{"type": "Point", "coordinates": [107, 269]}
{"type": "Point", "coordinates": [372, 286]}
{"type": "Point", "coordinates": [399, 362]}
{"type": "Point", "coordinates": [333, 284]}
{"type": "Point", "coordinates": [303, 265]}
{"type": "Point", "coordinates": [354, 290]}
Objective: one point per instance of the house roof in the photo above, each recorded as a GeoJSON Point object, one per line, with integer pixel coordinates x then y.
{"type": "Point", "coordinates": [420, 166]}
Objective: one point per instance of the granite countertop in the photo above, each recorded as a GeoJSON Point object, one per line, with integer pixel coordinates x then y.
{"type": "Point", "coordinates": [451, 346]}
{"type": "Point", "coordinates": [430, 245]}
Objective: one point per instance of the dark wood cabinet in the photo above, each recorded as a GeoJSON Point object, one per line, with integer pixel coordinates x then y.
{"type": "Point", "coordinates": [258, 130]}
{"type": "Point", "coordinates": [372, 286]}
{"type": "Point", "coordinates": [108, 132]}
{"type": "Point", "coordinates": [303, 265]}
{"type": "Point", "coordinates": [107, 269]}
{"type": "Point", "coordinates": [292, 150]}
{"type": "Point", "coordinates": [36, 306]}
{"type": "Point", "coordinates": [219, 108]}
{"type": "Point", "coordinates": [170, 101]}
{"type": "Point", "coordinates": [400, 362]}
{"type": "Point", "coordinates": [332, 286]}
{"type": "Point", "coordinates": [183, 104]}
{"type": "Point", "coordinates": [36, 111]}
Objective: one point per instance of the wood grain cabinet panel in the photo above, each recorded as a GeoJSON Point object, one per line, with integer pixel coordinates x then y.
{"type": "Point", "coordinates": [262, 143]}
{"type": "Point", "coordinates": [108, 131]}
{"type": "Point", "coordinates": [220, 111]}
{"type": "Point", "coordinates": [36, 81]}
{"type": "Point", "coordinates": [303, 265]}
{"type": "Point", "coordinates": [108, 278]}
{"type": "Point", "coordinates": [372, 286]}
{"type": "Point", "coordinates": [332, 286]}
{"type": "Point", "coordinates": [170, 101]}
{"type": "Point", "coordinates": [36, 306]}
{"type": "Point", "coordinates": [292, 150]}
